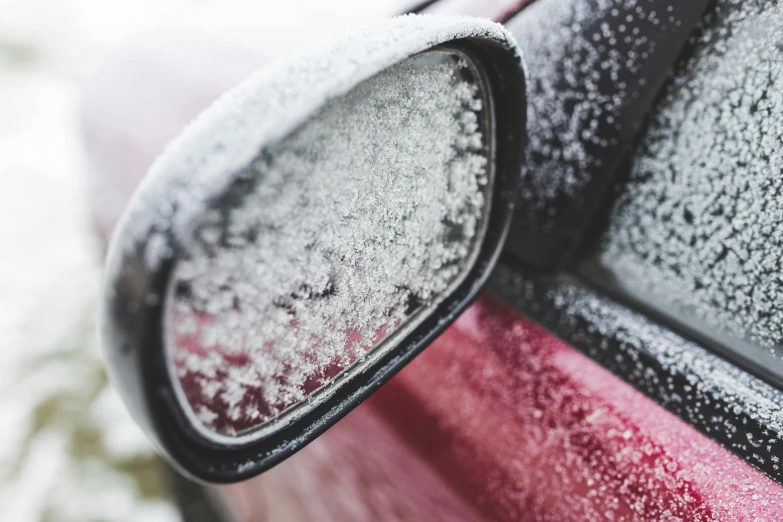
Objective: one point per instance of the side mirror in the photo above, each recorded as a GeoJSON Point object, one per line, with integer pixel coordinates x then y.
{"type": "Point", "coordinates": [308, 235]}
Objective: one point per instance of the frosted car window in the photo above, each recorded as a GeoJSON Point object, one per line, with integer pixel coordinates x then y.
{"type": "Point", "coordinates": [366, 214]}
{"type": "Point", "coordinates": [698, 229]}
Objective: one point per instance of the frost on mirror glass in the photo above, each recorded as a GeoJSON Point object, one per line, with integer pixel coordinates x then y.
{"type": "Point", "coordinates": [329, 242]}
{"type": "Point", "coordinates": [699, 226]}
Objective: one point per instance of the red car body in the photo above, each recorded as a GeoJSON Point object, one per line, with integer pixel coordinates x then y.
{"type": "Point", "coordinates": [499, 419]}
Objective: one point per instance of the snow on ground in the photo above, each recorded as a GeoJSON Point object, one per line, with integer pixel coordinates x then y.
{"type": "Point", "coordinates": [68, 449]}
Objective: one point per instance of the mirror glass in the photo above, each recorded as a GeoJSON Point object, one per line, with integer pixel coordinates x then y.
{"type": "Point", "coordinates": [330, 245]}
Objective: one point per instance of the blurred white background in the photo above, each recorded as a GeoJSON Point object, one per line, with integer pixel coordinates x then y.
{"type": "Point", "coordinates": [68, 450]}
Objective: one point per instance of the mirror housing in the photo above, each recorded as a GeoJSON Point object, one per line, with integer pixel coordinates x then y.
{"type": "Point", "coordinates": [203, 164]}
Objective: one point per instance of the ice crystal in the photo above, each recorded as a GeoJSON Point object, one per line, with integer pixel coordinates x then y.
{"type": "Point", "coordinates": [732, 407]}
{"type": "Point", "coordinates": [328, 241]}
{"type": "Point", "coordinates": [698, 225]}
{"type": "Point", "coordinates": [265, 108]}
{"type": "Point", "coordinates": [710, 377]}
{"type": "Point", "coordinates": [528, 429]}
{"type": "Point", "coordinates": [584, 59]}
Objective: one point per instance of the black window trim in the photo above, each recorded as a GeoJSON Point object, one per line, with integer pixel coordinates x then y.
{"type": "Point", "coordinates": [740, 424]}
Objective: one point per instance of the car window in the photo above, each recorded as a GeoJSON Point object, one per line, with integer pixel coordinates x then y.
{"type": "Point", "coordinates": [697, 229]}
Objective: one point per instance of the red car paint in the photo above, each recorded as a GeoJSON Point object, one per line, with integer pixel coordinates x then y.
{"type": "Point", "coordinates": [497, 420]}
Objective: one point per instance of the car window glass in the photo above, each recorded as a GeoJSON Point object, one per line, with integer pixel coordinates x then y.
{"type": "Point", "coordinates": [698, 229]}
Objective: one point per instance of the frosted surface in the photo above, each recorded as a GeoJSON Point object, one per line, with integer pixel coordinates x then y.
{"type": "Point", "coordinates": [733, 408]}
{"type": "Point", "coordinates": [699, 225]}
{"type": "Point", "coordinates": [264, 108]}
{"type": "Point", "coordinates": [578, 90]}
{"type": "Point", "coordinates": [328, 242]}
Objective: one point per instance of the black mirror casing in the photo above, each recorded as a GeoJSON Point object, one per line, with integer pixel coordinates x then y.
{"type": "Point", "coordinates": [143, 253]}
